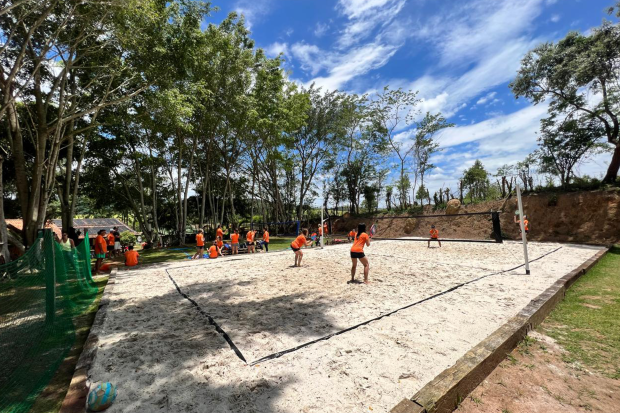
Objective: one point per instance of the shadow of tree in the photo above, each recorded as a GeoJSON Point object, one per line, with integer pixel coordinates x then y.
{"type": "Point", "coordinates": [164, 356]}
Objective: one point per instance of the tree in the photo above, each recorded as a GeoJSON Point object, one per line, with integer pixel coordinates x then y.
{"type": "Point", "coordinates": [393, 110]}
{"type": "Point", "coordinates": [568, 72]}
{"type": "Point", "coordinates": [422, 194]}
{"type": "Point", "coordinates": [425, 146]}
{"type": "Point", "coordinates": [506, 173]}
{"type": "Point", "coordinates": [315, 142]}
{"type": "Point", "coordinates": [476, 180]}
{"type": "Point", "coordinates": [564, 144]}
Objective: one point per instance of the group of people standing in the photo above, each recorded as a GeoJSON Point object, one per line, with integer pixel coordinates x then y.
{"type": "Point", "coordinates": [108, 246]}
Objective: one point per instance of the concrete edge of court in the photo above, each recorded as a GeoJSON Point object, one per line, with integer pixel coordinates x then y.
{"type": "Point", "coordinates": [444, 393]}
{"type": "Point", "coordinates": [75, 399]}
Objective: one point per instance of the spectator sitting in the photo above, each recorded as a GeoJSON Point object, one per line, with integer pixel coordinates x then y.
{"type": "Point", "coordinates": [131, 257]}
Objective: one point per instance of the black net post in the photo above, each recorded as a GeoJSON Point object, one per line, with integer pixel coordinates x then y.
{"type": "Point", "coordinates": [50, 277]}
{"type": "Point", "coordinates": [497, 228]}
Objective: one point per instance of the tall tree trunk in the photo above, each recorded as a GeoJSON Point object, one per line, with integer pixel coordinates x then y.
{"type": "Point", "coordinates": [4, 236]}
{"type": "Point", "coordinates": [614, 166]}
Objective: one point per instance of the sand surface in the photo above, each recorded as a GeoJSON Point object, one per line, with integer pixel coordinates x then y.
{"type": "Point", "coordinates": [164, 356]}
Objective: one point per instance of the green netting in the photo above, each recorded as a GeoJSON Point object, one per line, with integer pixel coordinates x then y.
{"type": "Point", "coordinates": [41, 294]}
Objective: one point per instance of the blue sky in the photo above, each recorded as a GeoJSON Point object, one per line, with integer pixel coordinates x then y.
{"type": "Point", "coordinates": [460, 55]}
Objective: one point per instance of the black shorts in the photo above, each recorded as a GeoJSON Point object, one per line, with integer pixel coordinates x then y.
{"type": "Point", "coordinates": [200, 248]}
{"type": "Point", "coordinates": [250, 243]}
{"type": "Point", "coordinates": [295, 249]}
{"type": "Point", "coordinates": [357, 254]}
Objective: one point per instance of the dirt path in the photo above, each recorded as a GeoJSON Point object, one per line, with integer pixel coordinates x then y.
{"type": "Point", "coordinates": [534, 378]}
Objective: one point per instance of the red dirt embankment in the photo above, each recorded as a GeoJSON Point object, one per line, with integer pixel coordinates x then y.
{"type": "Point", "coordinates": [578, 217]}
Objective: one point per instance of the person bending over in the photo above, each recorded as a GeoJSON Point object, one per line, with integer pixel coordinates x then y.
{"type": "Point", "coordinates": [352, 235]}
{"type": "Point", "coordinates": [434, 236]}
{"type": "Point", "coordinates": [296, 245]}
{"type": "Point", "coordinates": [131, 257]}
{"type": "Point", "coordinates": [249, 237]}
{"type": "Point", "coordinates": [357, 252]}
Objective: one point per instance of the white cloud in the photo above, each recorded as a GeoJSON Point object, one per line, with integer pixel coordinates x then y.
{"type": "Point", "coordinates": [364, 17]}
{"type": "Point", "coordinates": [311, 57]}
{"type": "Point", "coordinates": [321, 29]}
{"type": "Point", "coordinates": [486, 98]}
{"type": "Point", "coordinates": [276, 48]}
{"type": "Point", "coordinates": [555, 18]}
{"type": "Point", "coordinates": [252, 10]}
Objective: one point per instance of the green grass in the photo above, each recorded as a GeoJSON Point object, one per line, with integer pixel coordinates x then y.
{"type": "Point", "coordinates": [52, 396]}
{"type": "Point", "coordinates": [587, 322]}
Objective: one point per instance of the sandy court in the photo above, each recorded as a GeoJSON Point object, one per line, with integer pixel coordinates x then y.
{"type": "Point", "coordinates": [164, 356]}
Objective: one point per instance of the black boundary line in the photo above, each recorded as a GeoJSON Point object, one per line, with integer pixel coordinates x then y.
{"type": "Point", "coordinates": [456, 287]}
{"type": "Point", "coordinates": [210, 319]}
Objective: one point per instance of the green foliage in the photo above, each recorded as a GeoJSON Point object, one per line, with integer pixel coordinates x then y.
{"type": "Point", "coordinates": [568, 72]}
{"type": "Point", "coordinates": [128, 238]}
{"type": "Point", "coordinates": [565, 143]}
{"type": "Point", "coordinates": [476, 180]}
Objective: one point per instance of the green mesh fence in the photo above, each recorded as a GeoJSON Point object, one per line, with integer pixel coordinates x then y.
{"type": "Point", "coordinates": [41, 294]}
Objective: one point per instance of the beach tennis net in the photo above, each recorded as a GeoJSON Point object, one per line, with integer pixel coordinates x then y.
{"type": "Point", "coordinates": [41, 294]}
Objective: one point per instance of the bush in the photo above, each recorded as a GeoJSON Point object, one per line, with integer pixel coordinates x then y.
{"type": "Point", "coordinates": [128, 238]}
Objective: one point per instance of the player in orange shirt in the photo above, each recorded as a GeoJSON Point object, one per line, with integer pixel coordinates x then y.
{"type": "Point", "coordinates": [526, 224]}
{"type": "Point", "coordinates": [101, 248]}
{"type": "Point", "coordinates": [357, 252]}
{"type": "Point", "coordinates": [219, 244]}
{"type": "Point", "coordinates": [219, 232]}
{"type": "Point", "coordinates": [266, 239]}
{"type": "Point", "coordinates": [200, 245]}
{"type": "Point", "coordinates": [131, 257]}
{"type": "Point", "coordinates": [296, 245]}
{"type": "Point", "coordinates": [250, 241]}
{"type": "Point", "coordinates": [352, 235]}
{"type": "Point", "coordinates": [111, 244]}
{"type": "Point", "coordinates": [214, 251]}
{"type": "Point", "coordinates": [234, 240]}
{"type": "Point", "coordinates": [434, 236]}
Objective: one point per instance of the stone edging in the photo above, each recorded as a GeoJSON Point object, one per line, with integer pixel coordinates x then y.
{"type": "Point", "coordinates": [75, 399]}
{"type": "Point", "coordinates": [444, 392]}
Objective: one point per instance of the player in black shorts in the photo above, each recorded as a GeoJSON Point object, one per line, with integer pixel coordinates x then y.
{"type": "Point", "coordinates": [357, 252]}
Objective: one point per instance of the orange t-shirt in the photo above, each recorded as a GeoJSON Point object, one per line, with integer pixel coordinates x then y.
{"type": "Point", "coordinates": [360, 242]}
{"type": "Point", "coordinates": [326, 229]}
{"type": "Point", "coordinates": [352, 234]}
{"type": "Point", "coordinates": [110, 239]}
{"type": "Point", "coordinates": [266, 236]}
{"type": "Point", "coordinates": [434, 233]}
{"type": "Point", "coordinates": [234, 238]}
{"type": "Point", "coordinates": [220, 244]}
{"type": "Point", "coordinates": [131, 258]}
{"type": "Point", "coordinates": [200, 240]}
{"type": "Point", "coordinates": [100, 245]}
{"type": "Point", "coordinates": [526, 224]}
{"type": "Point", "coordinates": [250, 236]}
{"type": "Point", "coordinates": [213, 251]}
{"type": "Point", "coordinates": [299, 242]}
{"type": "Point", "coordinates": [219, 233]}
{"type": "Point", "coordinates": [320, 231]}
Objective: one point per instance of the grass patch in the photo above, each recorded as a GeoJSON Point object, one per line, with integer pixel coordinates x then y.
{"type": "Point", "coordinates": [52, 396]}
{"type": "Point", "coordinates": [586, 322]}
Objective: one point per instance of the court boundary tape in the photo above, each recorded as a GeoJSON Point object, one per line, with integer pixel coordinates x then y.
{"type": "Point", "coordinates": [456, 287]}
{"type": "Point", "coordinates": [210, 319]}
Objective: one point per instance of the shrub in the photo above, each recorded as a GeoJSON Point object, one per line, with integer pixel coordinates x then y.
{"type": "Point", "coordinates": [128, 238]}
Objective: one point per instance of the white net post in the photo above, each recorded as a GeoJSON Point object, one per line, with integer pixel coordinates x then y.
{"type": "Point", "coordinates": [523, 235]}
{"type": "Point", "coordinates": [321, 230]}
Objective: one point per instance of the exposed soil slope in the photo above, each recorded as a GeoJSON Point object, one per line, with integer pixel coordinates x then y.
{"type": "Point", "coordinates": [579, 217]}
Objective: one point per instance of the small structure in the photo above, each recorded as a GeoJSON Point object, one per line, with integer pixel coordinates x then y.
{"type": "Point", "coordinates": [96, 224]}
